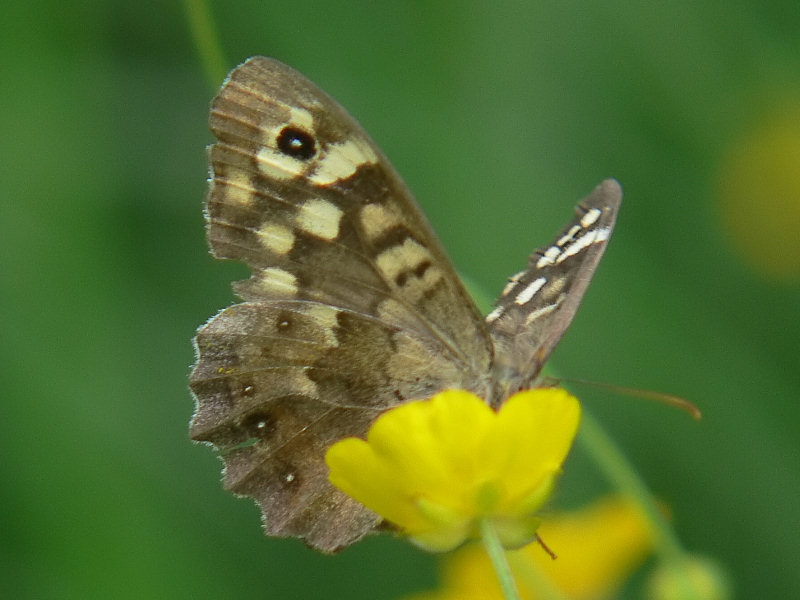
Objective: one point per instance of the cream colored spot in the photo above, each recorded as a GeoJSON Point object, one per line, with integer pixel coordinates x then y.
{"type": "Point", "coordinates": [277, 238]}
{"type": "Point", "coordinates": [530, 291]}
{"type": "Point", "coordinates": [569, 235]}
{"type": "Point", "coordinates": [320, 218]}
{"type": "Point", "coordinates": [590, 217]}
{"type": "Point", "coordinates": [377, 219]}
{"type": "Point", "coordinates": [277, 165]}
{"type": "Point", "coordinates": [301, 118]}
{"type": "Point", "coordinates": [326, 318]}
{"type": "Point", "coordinates": [512, 283]}
{"type": "Point", "coordinates": [537, 314]}
{"type": "Point", "coordinates": [340, 161]}
{"type": "Point", "coordinates": [583, 242]}
{"type": "Point", "coordinates": [415, 287]}
{"type": "Point", "coordinates": [296, 383]}
{"type": "Point", "coordinates": [549, 257]}
{"type": "Point", "coordinates": [237, 188]}
{"type": "Point", "coordinates": [494, 315]}
{"type": "Point", "coordinates": [509, 286]}
{"type": "Point", "coordinates": [404, 257]}
{"type": "Point", "coordinates": [276, 281]}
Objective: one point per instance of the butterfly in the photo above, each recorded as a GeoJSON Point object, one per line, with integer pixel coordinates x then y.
{"type": "Point", "coordinates": [353, 306]}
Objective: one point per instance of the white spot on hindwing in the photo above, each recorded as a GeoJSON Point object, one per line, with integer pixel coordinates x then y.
{"type": "Point", "coordinates": [326, 318]}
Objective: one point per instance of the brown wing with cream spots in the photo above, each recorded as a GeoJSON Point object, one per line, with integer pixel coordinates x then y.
{"type": "Point", "coordinates": [352, 306]}
{"type": "Point", "coordinates": [538, 304]}
{"type": "Point", "coordinates": [300, 193]}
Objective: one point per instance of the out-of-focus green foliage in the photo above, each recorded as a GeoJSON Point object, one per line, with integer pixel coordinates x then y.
{"type": "Point", "coordinates": [499, 118]}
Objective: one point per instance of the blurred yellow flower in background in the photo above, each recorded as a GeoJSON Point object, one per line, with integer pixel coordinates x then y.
{"type": "Point", "coordinates": [598, 547]}
{"type": "Point", "coordinates": [758, 195]}
{"type": "Point", "coordinates": [438, 468]}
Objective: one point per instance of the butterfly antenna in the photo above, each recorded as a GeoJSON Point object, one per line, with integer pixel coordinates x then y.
{"type": "Point", "coordinates": [545, 547]}
{"type": "Point", "coordinates": [662, 397]}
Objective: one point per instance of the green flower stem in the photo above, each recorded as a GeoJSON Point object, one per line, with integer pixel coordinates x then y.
{"type": "Point", "coordinates": [621, 474]}
{"type": "Point", "coordinates": [206, 40]}
{"type": "Point", "coordinates": [497, 555]}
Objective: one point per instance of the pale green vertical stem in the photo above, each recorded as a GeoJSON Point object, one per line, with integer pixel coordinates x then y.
{"type": "Point", "coordinates": [497, 555]}
{"type": "Point", "coordinates": [206, 40]}
{"type": "Point", "coordinates": [622, 475]}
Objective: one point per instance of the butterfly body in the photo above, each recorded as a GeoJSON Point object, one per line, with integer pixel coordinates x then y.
{"type": "Point", "coordinates": [353, 306]}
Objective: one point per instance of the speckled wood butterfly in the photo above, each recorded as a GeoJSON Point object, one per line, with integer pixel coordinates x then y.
{"type": "Point", "coordinates": [353, 306]}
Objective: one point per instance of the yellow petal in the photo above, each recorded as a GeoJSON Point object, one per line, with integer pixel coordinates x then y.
{"type": "Point", "coordinates": [436, 467]}
{"type": "Point", "coordinates": [535, 432]}
{"type": "Point", "coordinates": [361, 474]}
{"type": "Point", "coordinates": [597, 547]}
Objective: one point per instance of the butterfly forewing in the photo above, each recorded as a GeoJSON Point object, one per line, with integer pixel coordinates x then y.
{"type": "Point", "coordinates": [539, 303]}
{"type": "Point", "coordinates": [301, 194]}
{"type": "Point", "coordinates": [352, 306]}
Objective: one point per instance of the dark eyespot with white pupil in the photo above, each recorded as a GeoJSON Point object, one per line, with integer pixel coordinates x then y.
{"type": "Point", "coordinates": [296, 143]}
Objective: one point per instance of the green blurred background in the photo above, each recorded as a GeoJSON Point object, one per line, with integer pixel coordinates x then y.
{"type": "Point", "coordinates": [500, 116]}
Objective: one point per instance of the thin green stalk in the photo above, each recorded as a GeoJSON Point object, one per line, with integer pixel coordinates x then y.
{"type": "Point", "coordinates": [204, 33]}
{"type": "Point", "coordinates": [621, 474]}
{"type": "Point", "coordinates": [497, 555]}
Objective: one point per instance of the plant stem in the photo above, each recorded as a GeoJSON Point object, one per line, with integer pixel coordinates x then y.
{"type": "Point", "coordinates": [611, 461]}
{"type": "Point", "coordinates": [497, 555]}
{"type": "Point", "coordinates": [206, 41]}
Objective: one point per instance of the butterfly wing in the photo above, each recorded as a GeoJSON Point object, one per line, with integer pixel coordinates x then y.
{"type": "Point", "coordinates": [539, 303]}
{"type": "Point", "coordinates": [352, 305]}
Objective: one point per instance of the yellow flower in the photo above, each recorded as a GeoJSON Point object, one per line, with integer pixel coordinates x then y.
{"type": "Point", "coordinates": [597, 547]}
{"type": "Point", "coordinates": [758, 195]}
{"type": "Point", "coordinates": [436, 468]}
